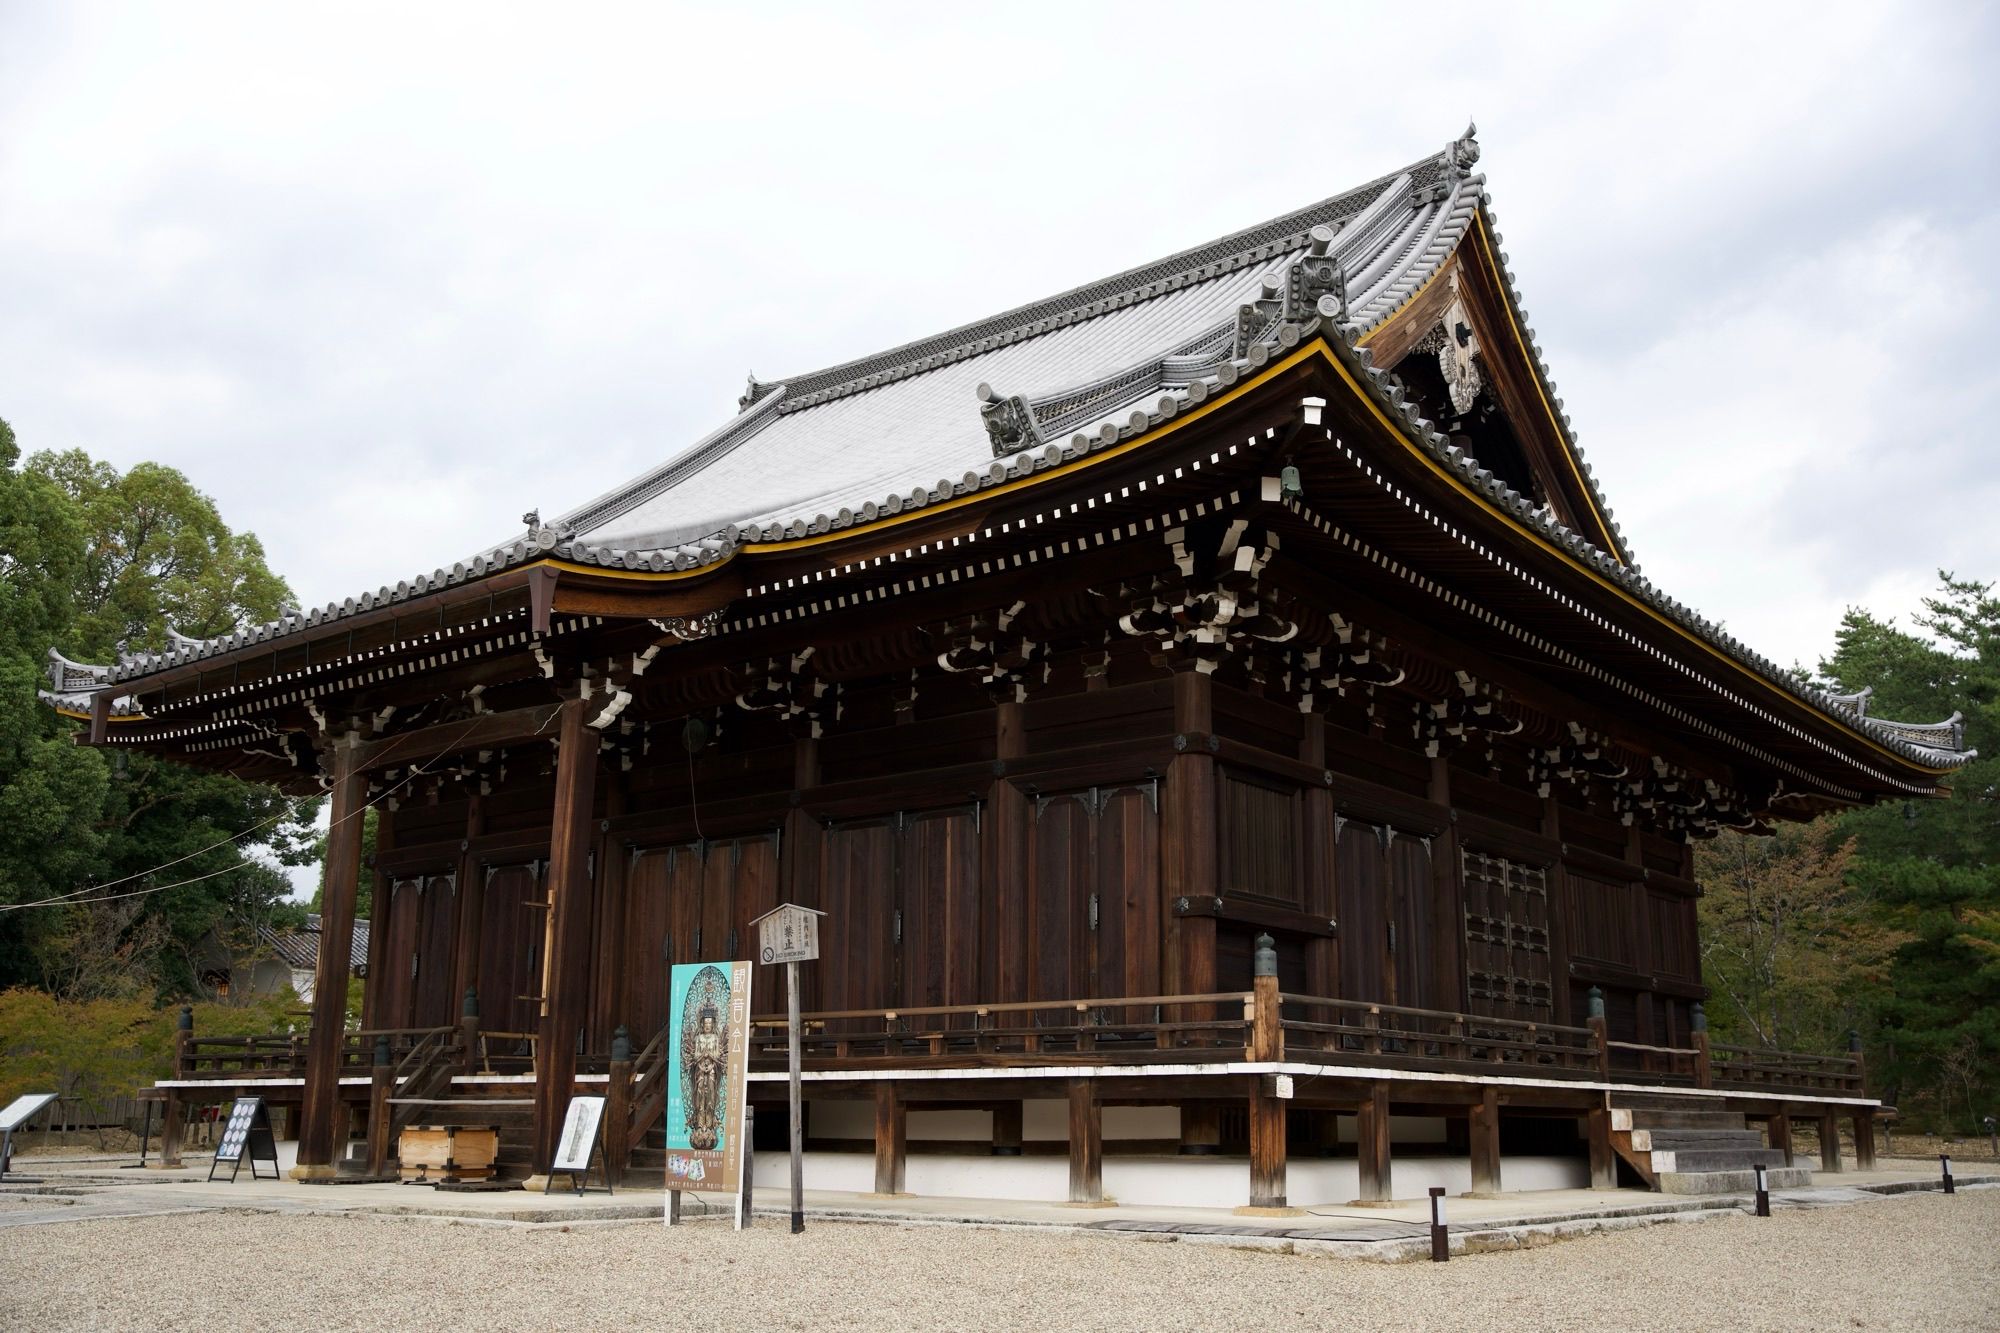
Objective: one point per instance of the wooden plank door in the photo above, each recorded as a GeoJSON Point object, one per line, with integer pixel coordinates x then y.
{"type": "Point", "coordinates": [938, 895]}
{"type": "Point", "coordinates": [1062, 874]}
{"type": "Point", "coordinates": [432, 1005]}
{"type": "Point", "coordinates": [858, 893]}
{"type": "Point", "coordinates": [401, 924]}
{"type": "Point", "coordinates": [1129, 902]}
{"type": "Point", "coordinates": [510, 948]}
{"type": "Point", "coordinates": [1362, 894]}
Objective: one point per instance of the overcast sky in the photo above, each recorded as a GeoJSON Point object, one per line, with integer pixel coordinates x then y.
{"type": "Point", "coordinates": [379, 279]}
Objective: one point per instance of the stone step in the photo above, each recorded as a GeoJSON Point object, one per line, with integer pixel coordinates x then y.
{"type": "Point", "coordinates": [1674, 1140]}
{"type": "Point", "coordinates": [1661, 1118]}
{"type": "Point", "coordinates": [1733, 1182]}
{"type": "Point", "coordinates": [1730, 1159]}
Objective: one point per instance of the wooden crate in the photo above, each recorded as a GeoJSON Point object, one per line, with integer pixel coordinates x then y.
{"type": "Point", "coordinates": [448, 1152]}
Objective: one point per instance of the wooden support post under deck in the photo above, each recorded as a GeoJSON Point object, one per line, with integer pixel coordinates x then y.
{"type": "Point", "coordinates": [618, 1119]}
{"type": "Point", "coordinates": [1267, 1145]}
{"type": "Point", "coordinates": [1603, 1162]}
{"type": "Point", "coordinates": [382, 1082]}
{"type": "Point", "coordinates": [173, 1128]}
{"type": "Point", "coordinates": [569, 929]}
{"type": "Point", "coordinates": [891, 1138]}
{"type": "Point", "coordinates": [323, 1119]}
{"type": "Point", "coordinates": [1829, 1142]}
{"type": "Point", "coordinates": [1007, 1129]}
{"type": "Point", "coordinates": [1864, 1140]}
{"type": "Point", "coordinates": [1779, 1128]}
{"type": "Point", "coordinates": [1086, 1143]}
{"type": "Point", "coordinates": [1484, 1132]}
{"type": "Point", "coordinates": [1371, 1147]}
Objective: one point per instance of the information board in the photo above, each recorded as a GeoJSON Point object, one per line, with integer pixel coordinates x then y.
{"type": "Point", "coordinates": [246, 1134]}
{"type": "Point", "coordinates": [708, 1050]}
{"type": "Point", "coordinates": [582, 1136]}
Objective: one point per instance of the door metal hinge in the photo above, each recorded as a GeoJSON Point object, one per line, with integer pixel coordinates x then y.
{"type": "Point", "coordinates": [896, 926]}
{"type": "Point", "coordinates": [1093, 911]}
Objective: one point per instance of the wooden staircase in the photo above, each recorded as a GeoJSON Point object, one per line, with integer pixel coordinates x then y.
{"type": "Point", "coordinates": [1686, 1145]}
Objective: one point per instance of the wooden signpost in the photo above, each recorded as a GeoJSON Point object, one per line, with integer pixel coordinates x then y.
{"type": "Point", "coordinates": [248, 1131]}
{"type": "Point", "coordinates": [790, 935]}
{"type": "Point", "coordinates": [582, 1138]}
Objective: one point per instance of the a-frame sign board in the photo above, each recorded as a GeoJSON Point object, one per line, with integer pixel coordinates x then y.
{"type": "Point", "coordinates": [246, 1134]}
{"type": "Point", "coordinates": [582, 1139]}
{"type": "Point", "coordinates": [16, 1114]}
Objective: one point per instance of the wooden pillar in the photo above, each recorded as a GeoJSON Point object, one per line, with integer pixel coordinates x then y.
{"type": "Point", "coordinates": [1779, 1128]}
{"type": "Point", "coordinates": [1086, 1143]}
{"type": "Point", "coordinates": [1321, 890]}
{"type": "Point", "coordinates": [618, 1109]}
{"type": "Point", "coordinates": [564, 1007]}
{"type": "Point", "coordinates": [1371, 1146]}
{"type": "Point", "coordinates": [1603, 1162]}
{"type": "Point", "coordinates": [798, 862]}
{"type": "Point", "coordinates": [1004, 902]}
{"type": "Point", "coordinates": [1267, 1145]}
{"type": "Point", "coordinates": [1829, 1142]}
{"type": "Point", "coordinates": [1007, 1129]}
{"type": "Point", "coordinates": [1864, 1140]}
{"type": "Point", "coordinates": [324, 1119]}
{"type": "Point", "coordinates": [378, 937]}
{"type": "Point", "coordinates": [1188, 842]}
{"type": "Point", "coordinates": [892, 1128]}
{"type": "Point", "coordinates": [381, 1083]}
{"type": "Point", "coordinates": [173, 1128]}
{"type": "Point", "coordinates": [471, 904]}
{"type": "Point", "coordinates": [1484, 1132]}
{"type": "Point", "coordinates": [1447, 943]}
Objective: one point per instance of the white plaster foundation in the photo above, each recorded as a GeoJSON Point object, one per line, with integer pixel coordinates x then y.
{"type": "Point", "coordinates": [1186, 1182]}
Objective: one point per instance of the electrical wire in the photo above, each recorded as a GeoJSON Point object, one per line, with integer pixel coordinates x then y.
{"type": "Point", "coordinates": [75, 898]}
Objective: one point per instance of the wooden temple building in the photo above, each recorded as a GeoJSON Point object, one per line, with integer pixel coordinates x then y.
{"type": "Point", "coordinates": [1231, 742]}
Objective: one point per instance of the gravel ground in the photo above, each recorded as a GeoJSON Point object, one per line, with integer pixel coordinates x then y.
{"type": "Point", "coordinates": [1916, 1262]}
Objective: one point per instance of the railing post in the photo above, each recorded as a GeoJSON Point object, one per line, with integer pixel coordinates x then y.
{"type": "Point", "coordinates": [1267, 1033]}
{"type": "Point", "coordinates": [1860, 1062]}
{"type": "Point", "coordinates": [468, 1031]}
{"type": "Point", "coordinates": [1704, 1071]}
{"type": "Point", "coordinates": [382, 1081]}
{"type": "Point", "coordinates": [1599, 1033]}
{"type": "Point", "coordinates": [618, 1107]}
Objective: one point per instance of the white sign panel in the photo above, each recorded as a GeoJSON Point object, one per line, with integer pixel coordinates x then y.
{"type": "Point", "coordinates": [579, 1134]}
{"type": "Point", "coordinates": [23, 1108]}
{"type": "Point", "coordinates": [790, 934]}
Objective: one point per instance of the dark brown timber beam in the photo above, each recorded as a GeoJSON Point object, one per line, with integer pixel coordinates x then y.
{"type": "Point", "coordinates": [487, 731]}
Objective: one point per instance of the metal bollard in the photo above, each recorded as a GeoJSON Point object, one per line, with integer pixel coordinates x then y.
{"type": "Point", "coordinates": [1944, 1160]}
{"type": "Point", "coordinates": [1763, 1193]}
{"type": "Point", "coordinates": [1440, 1241]}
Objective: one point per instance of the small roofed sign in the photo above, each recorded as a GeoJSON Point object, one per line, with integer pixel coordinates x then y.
{"type": "Point", "coordinates": [788, 934]}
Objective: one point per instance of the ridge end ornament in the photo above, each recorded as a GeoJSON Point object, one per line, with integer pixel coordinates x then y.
{"type": "Point", "coordinates": [1010, 422]}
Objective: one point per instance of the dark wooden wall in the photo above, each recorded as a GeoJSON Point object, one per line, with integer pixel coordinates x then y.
{"type": "Point", "coordinates": [1131, 838]}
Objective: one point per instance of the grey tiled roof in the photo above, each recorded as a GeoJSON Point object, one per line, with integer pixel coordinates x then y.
{"type": "Point", "coordinates": [300, 948]}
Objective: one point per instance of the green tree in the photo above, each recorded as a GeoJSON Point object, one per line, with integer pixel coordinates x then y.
{"type": "Point", "coordinates": [1933, 867]}
{"type": "Point", "coordinates": [94, 561]}
{"type": "Point", "coordinates": [1791, 949]}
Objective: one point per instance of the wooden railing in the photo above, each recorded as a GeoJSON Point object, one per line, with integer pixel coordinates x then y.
{"type": "Point", "coordinates": [1137, 1029]}
{"type": "Point", "coordinates": [241, 1057]}
{"type": "Point", "coordinates": [1760, 1070]}
{"type": "Point", "coordinates": [1351, 1030]}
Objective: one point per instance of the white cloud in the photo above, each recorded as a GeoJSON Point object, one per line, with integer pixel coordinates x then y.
{"type": "Point", "coordinates": [381, 280]}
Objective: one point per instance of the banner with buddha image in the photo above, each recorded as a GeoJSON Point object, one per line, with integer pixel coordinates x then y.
{"type": "Point", "coordinates": [708, 1053]}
